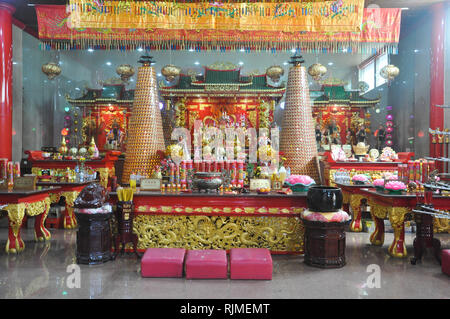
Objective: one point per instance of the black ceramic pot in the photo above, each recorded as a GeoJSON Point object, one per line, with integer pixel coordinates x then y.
{"type": "Point", "coordinates": [324, 199]}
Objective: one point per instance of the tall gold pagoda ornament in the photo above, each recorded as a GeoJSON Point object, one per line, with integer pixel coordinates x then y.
{"type": "Point", "coordinates": [145, 130]}
{"type": "Point", "coordinates": [297, 139]}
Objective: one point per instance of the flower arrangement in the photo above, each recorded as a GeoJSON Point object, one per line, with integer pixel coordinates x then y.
{"type": "Point", "coordinates": [395, 186]}
{"type": "Point", "coordinates": [360, 179]}
{"type": "Point", "coordinates": [299, 183]}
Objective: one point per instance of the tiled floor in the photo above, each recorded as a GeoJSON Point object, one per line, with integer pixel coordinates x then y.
{"type": "Point", "coordinates": [41, 271]}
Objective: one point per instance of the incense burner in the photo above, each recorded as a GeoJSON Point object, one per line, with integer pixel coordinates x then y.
{"type": "Point", "coordinates": [207, 181]}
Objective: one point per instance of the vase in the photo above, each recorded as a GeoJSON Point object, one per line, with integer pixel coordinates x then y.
{"type": "Point", "coordinates": [324, 199]}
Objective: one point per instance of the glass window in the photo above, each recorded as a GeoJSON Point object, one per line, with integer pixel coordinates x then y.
{"type": "Point", "coordinates": [366, 74]}
{"type": "Point", "coordinates": [381, 62]}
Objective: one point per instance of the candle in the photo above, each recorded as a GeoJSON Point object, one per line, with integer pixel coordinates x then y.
{"type": "Point", "coordinates": [240, 178]}
{"type": "Point", "coordinates": [172, 173]}
{"type": "Point", "coordinates": [411, 171]}
{"type": "Point", "coordinates": [233, 173]}
{"type": "Point", "coordinates": [183, 180]}
{"type": "Point", "coordinates": [3, 168]}
{"type": "Point", "coordinates": [203, 166]}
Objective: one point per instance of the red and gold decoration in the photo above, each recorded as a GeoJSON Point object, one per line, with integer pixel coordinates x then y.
{"type": "Point", "coordinates": [105, 113]}
{"type": "Point", "coordinates": [297, 140]}
{"type": "Point", "coordinates": [344, 15]}
{"type": "Point", "coordinates": [34, 204]}
{"type": "Point", "coordinates": [379, 29]}
{"type": "Point", "coordinates": [145, 132]}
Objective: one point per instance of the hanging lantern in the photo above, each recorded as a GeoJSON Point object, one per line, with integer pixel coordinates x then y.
{"type": "Point", "coordinates": [389, 136]}
{"type": "Point", "coordinates": [389, 123]}
{"type": "Point", "coordinates": [389, 129]}
{"type": "Point", "coordinates": [275, 72]}
{"type": "Point", "coordinates": [389, 72]}
{"type": "Point", "coordinates": [389, 117]}
{"type": "Point", "coordinates": [51, 70]}
{"type": "Point", "coordinates": [363, 87]}
{"type": "Point", "coordinates": [317, 70]}
{"type": "Point", "coordinates": [125, 71]}
{"type": "Point", "coordinates": [170, 72]}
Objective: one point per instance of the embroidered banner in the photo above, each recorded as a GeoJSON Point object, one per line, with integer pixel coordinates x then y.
{"type": "Point", "coordinates": [330, 16]}
{"type": "Point", "coordinates": [380, 28]}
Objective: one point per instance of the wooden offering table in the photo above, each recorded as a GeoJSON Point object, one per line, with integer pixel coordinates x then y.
{"type": "Point", "coordinates": [352, 197]}
{"type": "Point", "coordinates": [70, 192]}
{"type": "Point", "coordinates": [218, 221]}
{"type": "Point", "coordinates": [104, 166]}
{"type": "Point", "coordinates": [21, 202]}
{"type": "Point", "coordinates": [395, 207]}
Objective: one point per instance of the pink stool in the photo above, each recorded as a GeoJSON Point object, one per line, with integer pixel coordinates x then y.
{"type": "Point", "coordinates": [445, 261]}
{"type": "Point", "coordinates": [206, 264]}
{"type": "Point", "coordinates": [163, 262]}
{"type": "Point", "coordinates": [250, 263]}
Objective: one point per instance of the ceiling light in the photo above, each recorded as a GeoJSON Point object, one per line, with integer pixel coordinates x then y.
{"type": "Point", "coordinates": [108, 63]}
{"type": "Point", "coordinates": [293, 50]}
{"type": "Point", "coordinates": [242, 50]}
{"type": "Point", "coordinates": [405, 8]}
{"type": "Point", "coordinates": [330, 63]}
{"type": "Point", "coordinates": [191, 50]}
{"type": "Point", "coordinates": [196, 63]}
{"type": "Point", "coordinates": [91, 50]}
{"type": "Point", "coordinates": [282, 105]}
{"type": "Point", "coordinates": [241, 63]}
{"type": "Point", "coordinates": [285, 63]}
{"type": "Point", "coordinates": [140, 49]}
{"type": "Point", "coordinates": [159, 74]}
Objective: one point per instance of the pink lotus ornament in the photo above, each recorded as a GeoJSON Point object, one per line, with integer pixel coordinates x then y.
{"type": "Point", "coordinates": [389, 117]}
{"type": "Point", "coordinates": [378, 182]}
{"type": "Point", "coordinates": [299, 183]}
{"type": "Point", "coordinates": [395, 186]}
{"type": "Point", "coordinates": [360, 179]}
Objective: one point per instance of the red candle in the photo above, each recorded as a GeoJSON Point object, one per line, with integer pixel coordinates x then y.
{"type": "Point", "coordinates": [203, 166]}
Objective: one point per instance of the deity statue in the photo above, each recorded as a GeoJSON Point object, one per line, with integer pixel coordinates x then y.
{"type": "Point", "coordinates": [115, 136]}
{"type": "Point", "coordinates": [361, 135]}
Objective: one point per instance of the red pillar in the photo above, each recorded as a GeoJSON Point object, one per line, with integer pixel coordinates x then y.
{"type": "Point", "coordinates": [6, 12]}
{"type": "Point", "coordinates": [437, 74]}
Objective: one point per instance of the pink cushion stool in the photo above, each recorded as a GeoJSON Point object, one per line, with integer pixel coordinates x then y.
{"type": "Point", "coordinates": [250, 263]}
{"type": "Point", "coordinates": [206, 264]}
{"type": "Point", "coordinates": [163, 262]}
{"type": "Point", "coordinates": [445, 261]}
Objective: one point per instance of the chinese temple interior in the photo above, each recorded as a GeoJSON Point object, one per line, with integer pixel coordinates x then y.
{"type": "Point", "coordinates": [281, 150]}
